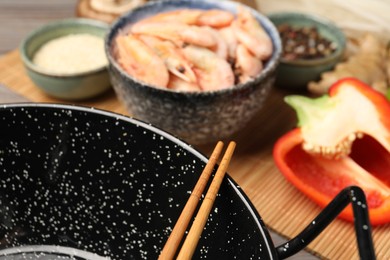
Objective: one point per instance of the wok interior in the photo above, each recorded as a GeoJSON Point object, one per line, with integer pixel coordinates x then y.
{"type": "Point", "coordinates": [109, 185]}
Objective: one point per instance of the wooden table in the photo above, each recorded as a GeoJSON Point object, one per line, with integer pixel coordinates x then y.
{"type": "Point", "coordinates": [284, 209]}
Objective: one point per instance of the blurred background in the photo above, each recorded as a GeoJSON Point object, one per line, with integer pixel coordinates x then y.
{"type": "Point", "coordinates": [25, 15]}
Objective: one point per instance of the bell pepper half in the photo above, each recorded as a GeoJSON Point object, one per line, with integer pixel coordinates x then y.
{"type": "Point", "coordinates": [342, 139]}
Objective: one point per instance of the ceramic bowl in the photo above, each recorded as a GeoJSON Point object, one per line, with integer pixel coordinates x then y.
{"type": "Point", "coordinates": [196, 117]}
{"type": "Point", "coordinates": [67, 86]}
{"type": "Point", "coordinates": [296, 74]}
{"type": "Point", "coordinates": [81, 183]}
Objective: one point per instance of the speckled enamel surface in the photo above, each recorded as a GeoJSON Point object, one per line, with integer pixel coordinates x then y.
{"type": "Point", "coordinates": [78, 183]}
{"type": "Point", "coordinates": [200, 117]}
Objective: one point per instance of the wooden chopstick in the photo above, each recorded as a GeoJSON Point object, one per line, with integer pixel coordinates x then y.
{"type": "Point", "coordinates": [191, 241]}
{"type": "Point", "coordinates": [180, 227]}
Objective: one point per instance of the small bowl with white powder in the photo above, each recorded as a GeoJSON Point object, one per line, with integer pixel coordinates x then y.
{"type": "Point", "coordinates": [66, 58]}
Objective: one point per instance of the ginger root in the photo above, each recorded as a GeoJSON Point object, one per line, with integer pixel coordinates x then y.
{"type": "Point", "coordinates": [370, 64]}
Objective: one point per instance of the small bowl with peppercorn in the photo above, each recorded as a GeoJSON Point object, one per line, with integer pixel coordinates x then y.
{"type": "Point", "coordinates": [66, 58]}
{"type": "Point", "coordinates": [311, 45]}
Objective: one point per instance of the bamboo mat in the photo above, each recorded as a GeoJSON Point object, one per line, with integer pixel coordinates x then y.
{"type": "Point", "coordinates": [283, 208]}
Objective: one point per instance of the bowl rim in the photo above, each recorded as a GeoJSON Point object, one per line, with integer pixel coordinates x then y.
{"type": "Point", "coordinates": [52, 26]}
{"type": "Point", "coordinates": [317, 20]}
{"type": "Point", "coordinates": [272, 63]}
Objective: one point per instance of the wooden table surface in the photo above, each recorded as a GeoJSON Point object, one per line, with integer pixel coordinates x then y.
{"type": "Point", "coordinates": [19, 17]}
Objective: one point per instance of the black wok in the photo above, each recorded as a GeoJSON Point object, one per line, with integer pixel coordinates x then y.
{"type": "Point", "coordinates": [79, 183]}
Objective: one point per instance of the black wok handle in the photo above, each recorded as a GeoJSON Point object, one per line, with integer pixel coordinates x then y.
{"type": "Point", "coordinates": [352, 194]}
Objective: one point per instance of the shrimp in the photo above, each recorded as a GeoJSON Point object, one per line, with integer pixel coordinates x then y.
{"type": "Point", "coordinates": [213, 17]}
{"type": "Point", "coordinates": [178, 84]}
{"type": "Point", "coordinates": [247, 65]}
{"type": "Point", "coordinates": [250, 33]}
{"type": "Point", "coordinates": [212, 71]}
{"type": "Point", "coordinates": [176, 32]}
{"type": "Point", "coordinates": [140, 61]}
{"type": "Point", "coordinates": [172, 56]}
{"type": "Point", "coordinates": [230, 38]}
{"type": "Point", "coordinates": [221, 47]}
{"type": "Point", "coordinates": [186, 16]}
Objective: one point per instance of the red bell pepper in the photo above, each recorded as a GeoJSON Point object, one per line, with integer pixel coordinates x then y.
{"type": "Point", "coordinates": [342, 139]}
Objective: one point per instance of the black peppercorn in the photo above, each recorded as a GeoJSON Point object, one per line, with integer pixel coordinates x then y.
{"type": "Point", "coordinates": [304, 43]}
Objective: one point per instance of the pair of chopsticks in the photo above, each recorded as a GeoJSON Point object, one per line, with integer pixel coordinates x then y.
{"type": "Point", "coordinates": [191, 241]}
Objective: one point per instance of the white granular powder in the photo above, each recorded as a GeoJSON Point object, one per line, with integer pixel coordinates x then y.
{"type": "Point", "coordinates": [74, 53]}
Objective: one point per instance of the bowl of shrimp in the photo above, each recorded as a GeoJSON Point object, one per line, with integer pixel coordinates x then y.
{"type": "Point", "coordinates": [199, 69]}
